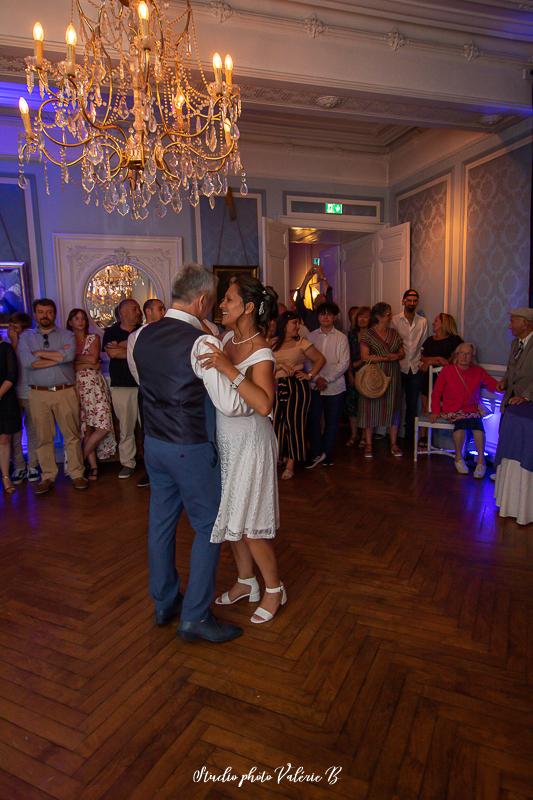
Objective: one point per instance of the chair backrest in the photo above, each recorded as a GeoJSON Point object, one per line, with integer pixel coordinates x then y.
{"type": "Point", "coordinates": [433, 372]}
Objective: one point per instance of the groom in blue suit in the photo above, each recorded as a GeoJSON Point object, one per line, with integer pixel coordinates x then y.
{"type": "Point", "coordinates": [181, 457]}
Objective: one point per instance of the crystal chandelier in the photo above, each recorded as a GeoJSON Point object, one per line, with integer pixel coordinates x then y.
{"type": "Point", "coordinates": [131, 113]}
{"type": "Point", "coordinates": [108, 287]}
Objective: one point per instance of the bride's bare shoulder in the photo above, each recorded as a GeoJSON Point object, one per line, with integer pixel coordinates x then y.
{"type": "Point", "coordinates": [261, 342]}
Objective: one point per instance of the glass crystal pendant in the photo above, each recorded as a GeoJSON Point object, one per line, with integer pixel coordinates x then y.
{"type": "Point", "coordinates": [134, 124]}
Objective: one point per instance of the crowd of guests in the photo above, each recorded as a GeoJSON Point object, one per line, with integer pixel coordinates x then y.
{"type": "Point", "coordinates": [50, 375]}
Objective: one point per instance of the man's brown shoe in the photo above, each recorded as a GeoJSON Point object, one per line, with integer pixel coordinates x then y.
{"type": "Point", "coordinates": [44, 487]}
{"type": "Point", "coordinates": [80, 483]}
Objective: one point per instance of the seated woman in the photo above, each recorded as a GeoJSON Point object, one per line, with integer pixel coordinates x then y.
{"type": "Point", "coordinates": [456, 397]}
{"type": "Point", "coordinates": [381, 344]}
{"type": "Point", "coordinates": [293, 389]}
{"type": "Point", "coordinates": [96, 420]}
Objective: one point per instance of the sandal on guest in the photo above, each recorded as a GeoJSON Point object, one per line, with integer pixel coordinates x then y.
{"type": "Point", "coordinates": [264, 615]}
{"type": "Point", "coordinates": [253, 595]}
{"type": "Point", "coordinates": [92, 474]}
{"type": "Point", "coordinates": [9, 487]}
{"type": "Point", "coordinates": [368, 451]}
{"type": "Point", "coordinates": [351, 441]}
{"type": "Point", "coordinates": [396, 452]}
{"type": "Point", "coordinates": [287, 475]}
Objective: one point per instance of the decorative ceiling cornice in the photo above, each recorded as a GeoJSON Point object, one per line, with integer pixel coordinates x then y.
{"type": "Point", "coordinates": [506, 35]}
{"type": "Point", "coordinates": [342, 106]}
{"type": "Point", "coordinates": [222, 11]}
{"type": "Point", "coordinates": [314, 27]}
{"type": "Point", "coordinates": [502, 42]}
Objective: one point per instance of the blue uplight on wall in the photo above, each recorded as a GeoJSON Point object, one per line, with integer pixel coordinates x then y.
{"type": "Point", "coordinates": [10, 93]}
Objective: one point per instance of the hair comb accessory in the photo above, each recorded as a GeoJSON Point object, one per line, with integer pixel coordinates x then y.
{"type": "Point", "coordinates": [261, 307]}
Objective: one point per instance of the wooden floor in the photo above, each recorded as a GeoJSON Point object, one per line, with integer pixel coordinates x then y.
{"type": "Point", "coordinates": [404, 655]}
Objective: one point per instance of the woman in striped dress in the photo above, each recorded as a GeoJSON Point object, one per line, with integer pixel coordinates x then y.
{"type": "Point", "coordinates": [293, 389]}
{"type": "Point", "coordinates": [381, 344]}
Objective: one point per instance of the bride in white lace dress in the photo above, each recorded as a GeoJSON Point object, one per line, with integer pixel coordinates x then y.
{"type": "Point", "coordinates": [249, 513]}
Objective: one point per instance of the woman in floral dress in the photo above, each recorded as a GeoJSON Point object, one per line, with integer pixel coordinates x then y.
{"type": "Point", "coordinates": [95, 400]}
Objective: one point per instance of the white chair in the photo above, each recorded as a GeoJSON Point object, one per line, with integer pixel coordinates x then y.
{"type": "Point", "coordinates": [440, 424]}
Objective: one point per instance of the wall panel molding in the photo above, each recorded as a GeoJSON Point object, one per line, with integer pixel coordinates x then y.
{"type": "Point", "coordinates": [78, 256]}
{"type": "Point", "coordinates": [495, 240]}
{"type": "Point", "coordinates": [428, 207]}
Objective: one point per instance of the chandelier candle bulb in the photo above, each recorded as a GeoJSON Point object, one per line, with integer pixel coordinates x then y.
{"type": "Point", "coordinates": [228, 69]}
{"type": "Point", "coordinates": [178, 103]}
{"type": "Point", "coordinates": [217, 69]}
{"type": "Point", "coordinates": [25, 114]}
{"type": "Point", "coordinates": [144, 15]}
{"type": "Point", "coordinates": [71, 38]}
{"type": "Point", "coordinates": [178, 138]}
{"type": "Point", "coordinates": [227, 134]}
{"type": "Point", "coordinates": [38, 38]}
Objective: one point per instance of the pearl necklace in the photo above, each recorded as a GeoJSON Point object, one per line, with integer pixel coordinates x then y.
{"type": "Point", "coordinates": [242, 341]}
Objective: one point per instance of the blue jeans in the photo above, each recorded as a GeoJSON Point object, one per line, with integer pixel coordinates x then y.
{"type": "Point", "coordinates": [331, 407]}
{"type": "Point", "coordinates": [182, 477]}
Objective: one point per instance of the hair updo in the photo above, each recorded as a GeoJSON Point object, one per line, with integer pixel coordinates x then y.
{"type": "Point", "coordinates": [264, 299]}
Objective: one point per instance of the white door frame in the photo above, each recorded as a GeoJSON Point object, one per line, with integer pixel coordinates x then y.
{"type": "Point", "coordinates": [334, 224]}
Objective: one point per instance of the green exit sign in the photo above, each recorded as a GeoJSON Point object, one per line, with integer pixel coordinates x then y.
{"type": "Point", "coordinates": [316, 262]}
{"type": "Point", "coordinates": [333, 208]}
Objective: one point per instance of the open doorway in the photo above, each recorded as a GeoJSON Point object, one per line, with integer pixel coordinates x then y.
{"type": "Point", "coordinates": [322, 249]}
{"type": "Point", "coordinates": [363, 263]}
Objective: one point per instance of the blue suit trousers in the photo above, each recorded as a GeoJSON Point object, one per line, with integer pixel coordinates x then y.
{"type": "Point", "coordinates": [182, 477]}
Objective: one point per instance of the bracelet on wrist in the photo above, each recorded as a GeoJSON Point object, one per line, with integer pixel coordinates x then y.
{"type": "Point", "coordinates": [237, 380]}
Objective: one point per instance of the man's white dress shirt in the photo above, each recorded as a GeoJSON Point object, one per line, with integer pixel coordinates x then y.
{"type": "Point", "coordinates": [413, 335]}
{"type": "Point", "coordinates": [335, 348]}
{"type": "Point", "coordinates": [225, 399]}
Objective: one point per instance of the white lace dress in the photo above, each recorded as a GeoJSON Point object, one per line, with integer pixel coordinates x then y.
{"type": "Point", "coordinates": [248, 458]}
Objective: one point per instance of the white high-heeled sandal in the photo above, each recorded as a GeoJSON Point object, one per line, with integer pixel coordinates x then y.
{"type": "Point", "coordinates": [266, 616]}
{"type": "Point", "coordinates": [253, 595]}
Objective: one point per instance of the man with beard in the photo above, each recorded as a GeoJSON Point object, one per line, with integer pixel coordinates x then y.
{"type": "Point", "coordinates": [48, 354]}
{"type": "Point", "coordinates": [413, 329]}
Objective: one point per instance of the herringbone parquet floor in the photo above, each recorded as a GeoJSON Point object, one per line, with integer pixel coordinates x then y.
{"type": "Point", "coordinates": [404, 655]}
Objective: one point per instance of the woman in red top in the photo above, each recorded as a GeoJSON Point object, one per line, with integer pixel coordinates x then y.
{"type": "Point", "coordinates": [457, 392]}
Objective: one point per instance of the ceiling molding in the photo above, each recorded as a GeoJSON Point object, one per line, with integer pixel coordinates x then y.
{"type": "Point", "coordinates": [495, 44]}
{"type": "Point", "coordinates": [388, 32]}
{"type": "Point", "coordinates": [384, 101]}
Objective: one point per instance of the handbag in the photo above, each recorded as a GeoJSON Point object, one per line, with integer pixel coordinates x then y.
{"type": "Point", "coordinates": [371, 382]}
{"type": "Point", "coordinates": [482, 411]}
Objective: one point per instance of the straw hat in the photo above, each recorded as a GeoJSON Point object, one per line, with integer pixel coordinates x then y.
{"type": "Point", "coordinates": [371, 381]}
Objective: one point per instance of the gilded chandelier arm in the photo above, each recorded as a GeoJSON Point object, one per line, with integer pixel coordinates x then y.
{"type": "Point", "coordinates": [176, 141]}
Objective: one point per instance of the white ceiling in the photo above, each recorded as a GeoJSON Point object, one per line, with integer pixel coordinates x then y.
{"type": "Point", "coordinates": [361, 76]}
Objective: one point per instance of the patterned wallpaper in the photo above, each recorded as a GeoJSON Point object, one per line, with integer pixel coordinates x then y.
{"type": "Point", "coordinates": [230, 242]}
{"type": "Point", "coordinates": [497, 250]}
{"type": "Point", "coordinates": [426, 211]}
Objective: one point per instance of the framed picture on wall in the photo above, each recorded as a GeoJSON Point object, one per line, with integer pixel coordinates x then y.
{"type": "Point", "coordinates": [14, 293]}
{"type": "Point", "coordinates": [224, 273]}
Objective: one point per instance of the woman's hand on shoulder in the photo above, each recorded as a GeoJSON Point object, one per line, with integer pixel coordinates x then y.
{"type": "Point", "coordinates": [216, 358]}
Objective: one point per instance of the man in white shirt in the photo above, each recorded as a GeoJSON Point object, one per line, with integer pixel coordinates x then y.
{"type": "Point", "coordinates": [413, 329]}
{"type": "Point", "coordinates": [329, 386]}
